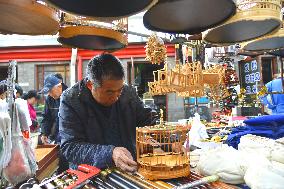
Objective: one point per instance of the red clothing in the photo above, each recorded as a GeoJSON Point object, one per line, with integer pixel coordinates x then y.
{"type": "Point", "coordinates": [32, 112]}
{"type": "Point", "coordinates": [32, 115]}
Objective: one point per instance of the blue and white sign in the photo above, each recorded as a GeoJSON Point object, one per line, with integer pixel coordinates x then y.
{"type": "Point", "coordinates": [250, 76]}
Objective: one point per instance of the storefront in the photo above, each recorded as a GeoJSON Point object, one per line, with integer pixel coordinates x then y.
{"type": "Point", "coordinates": [204, 110]}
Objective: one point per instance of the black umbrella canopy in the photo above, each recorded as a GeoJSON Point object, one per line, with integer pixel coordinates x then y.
{"type": "Point", "coordinates": [92, 42]}
{"type": "Point", "coordinates": [87, 37]}
{"type": "Point", "coordinates": [188, 16]}
{"type": "Point", "coordinates": [270, 42]}
{"type": "Point", "coordinates": [253, 19]}
{"type": "Point", "coordinates": [103, 8]}
{"type": "Point", "coordinates": [242, 30]}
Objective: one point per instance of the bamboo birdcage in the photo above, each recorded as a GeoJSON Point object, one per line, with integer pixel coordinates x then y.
{"type": "Point", "coordinates": [266, 43]}
{"type": "Point", "coordinates": [28, 17]}
{"type": "Point", "coordinates": [160, 152]}
{"type": "Point", "coordinates": [254, 18]}
{"type": "Point", "coordinates": [88, 33]}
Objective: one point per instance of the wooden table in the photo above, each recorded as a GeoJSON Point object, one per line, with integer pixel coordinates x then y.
{"type": "Point", "coordinates": [47, 160]}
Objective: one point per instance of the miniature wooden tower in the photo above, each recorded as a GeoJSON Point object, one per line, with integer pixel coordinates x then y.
{"type": "Point", "coordinates": [160, 151]}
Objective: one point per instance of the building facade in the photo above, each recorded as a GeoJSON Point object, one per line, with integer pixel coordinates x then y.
{"type": "Point", "coordinates": [35, 63]}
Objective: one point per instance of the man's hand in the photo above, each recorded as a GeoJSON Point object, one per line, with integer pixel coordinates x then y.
{"type": "Point", "coordinates": [123, 159]}
{"type": "Point", "coordinates": [44, 139]}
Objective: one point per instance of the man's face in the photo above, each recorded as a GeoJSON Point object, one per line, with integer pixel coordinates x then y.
{"type": "Point", "coordinates": [108, 93]}
{"type": "Point", "coordinates": [56, 91]}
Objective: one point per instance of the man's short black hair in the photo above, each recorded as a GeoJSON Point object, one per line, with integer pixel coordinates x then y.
{"type": "Point", "coordinates": [104, 67]}
{"type": "Point", "coordinates": [31, 94]}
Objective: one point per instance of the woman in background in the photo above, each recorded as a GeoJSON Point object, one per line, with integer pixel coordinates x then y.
{"type": "Point", "coordinates": [32, 97]}
{"type": "Point", "coordinates": [3, 90]}
{"type": "Point", "coordinates": [3, 96]}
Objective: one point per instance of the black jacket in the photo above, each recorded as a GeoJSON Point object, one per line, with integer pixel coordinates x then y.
{"type": "Point", "coordinates": [80, 125]}
{"type": "Point", "coordinates": [50, 122]}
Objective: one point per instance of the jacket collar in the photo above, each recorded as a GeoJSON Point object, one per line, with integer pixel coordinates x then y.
{"type": "Point", "coordinates": [84, 93]}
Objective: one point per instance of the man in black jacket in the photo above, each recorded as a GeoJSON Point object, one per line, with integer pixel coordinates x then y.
{"type": "Point", "coordinates": [98, 117]}
{"type": "Point", "coordinates": [49, 124]}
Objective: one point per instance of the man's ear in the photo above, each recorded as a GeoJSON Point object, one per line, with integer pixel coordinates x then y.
{"type": "Point", "coordinates": [89, 85]}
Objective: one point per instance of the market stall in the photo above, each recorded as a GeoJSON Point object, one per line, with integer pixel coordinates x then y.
{"type": "Point", "coordinates": [223, 141]}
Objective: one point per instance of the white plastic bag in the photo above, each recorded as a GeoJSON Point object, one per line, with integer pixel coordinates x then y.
{"type": "Point", "coordinates": [262, 146]}
{"type": "Point", "coordinates": [226, 162]}
{"type": "Point", "coordinates": [5, 136]}
{"type": "Point", "coordinates": [277, 153]}
{"type": "Point", "coordinates": [265, 176]}
{"type": "Point", "coordinates": [18, 168]}
{"type": "Point", "coordinates": [22, 164]}
{"type": "Point", "coordinates": [197, 132]}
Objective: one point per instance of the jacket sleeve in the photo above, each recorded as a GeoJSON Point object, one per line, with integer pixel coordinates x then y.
{"type": "Point", "coordinates": [46, 123]}
{"type": "Point", "coordinates": [74, 144]}
{"type": "Point", "coordinates": [268, 101]}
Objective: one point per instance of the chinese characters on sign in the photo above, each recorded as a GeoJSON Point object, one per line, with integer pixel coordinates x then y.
{"type": "Point", "coordinates": [251, 76]}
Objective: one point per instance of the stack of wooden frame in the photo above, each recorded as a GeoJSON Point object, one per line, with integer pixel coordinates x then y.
{"type": "Point", "coordinates": [190, 80]}
{"type": "Point", "coordinates": [88, 33]}
{"type": "Point", "coordinates": [248, 23]}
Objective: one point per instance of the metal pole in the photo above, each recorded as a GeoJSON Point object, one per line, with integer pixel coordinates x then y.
{"type": "Point", "coordinates": [146, 35]}
{"type": "Point", "coordinates": [281, 70]}
{"type": "Point", "coordinates": [196, 104]}
{"type": "Point", "coordinates": [73, 66]}
{"type": "Point", "coordinates": [11, 88]}
{"type": "Point", "coordinates": [132, 72]}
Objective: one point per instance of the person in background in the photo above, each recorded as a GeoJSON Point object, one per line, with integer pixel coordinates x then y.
{"type": "Point", "coordinates": [50, 124]}
{"type": "Point", "coordinates": [3, 96]}
{"type": "Point", "coordinates": [275, 102]}
{"type": "Point", "coordinates": [98, 117]}
{"type": "Point", "coordinates": [19, 91]}
{"type": "Point", "coordinates": [32, 98]}
{"type": "Point", "coordinates": [59, 76]}
{"type": "Point", "coordinates": [3, 90]}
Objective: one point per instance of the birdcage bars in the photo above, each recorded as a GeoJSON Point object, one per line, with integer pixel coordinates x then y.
{"type": "Point", "coordinates": [160, 152]}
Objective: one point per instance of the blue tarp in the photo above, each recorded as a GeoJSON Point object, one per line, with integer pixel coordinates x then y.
{"type": "Point", "coordinates": [270, 126]}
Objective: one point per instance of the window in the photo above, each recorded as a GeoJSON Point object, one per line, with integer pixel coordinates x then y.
{"type": "Point", "coordinates": [44, 70]}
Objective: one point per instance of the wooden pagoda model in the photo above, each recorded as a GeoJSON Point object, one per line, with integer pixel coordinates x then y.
{"type": "Point", "coordinates": [190, 80]}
